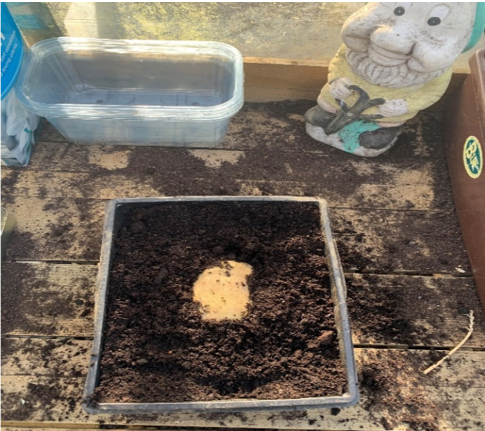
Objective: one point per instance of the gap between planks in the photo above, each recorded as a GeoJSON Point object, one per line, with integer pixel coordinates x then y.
{"type": "Point", "coordinates": [366, 346]}
{"type": "Point", "coordinates": [409, 273]}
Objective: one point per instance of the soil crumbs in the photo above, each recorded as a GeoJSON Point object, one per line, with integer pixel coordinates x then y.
{"type": "Point", "coordinates": [395, 392]}
{"type": "Point", "coordinates": [157, 348]}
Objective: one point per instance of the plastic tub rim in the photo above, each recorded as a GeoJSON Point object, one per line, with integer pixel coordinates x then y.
{"type": "Point", "coordinates": [222, 111]}
{"type": "Point", "coordinates": [350, 398]}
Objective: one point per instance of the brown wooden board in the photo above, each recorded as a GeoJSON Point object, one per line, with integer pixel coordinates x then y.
{"type": "Point", "coordinates": [48, 300]}
{"type": "Point", "coordinates": [63, 229]}
{"type": "Point", "coordinates": [413, 311]}
{"type": "Point", "coordinates": [419, 242]}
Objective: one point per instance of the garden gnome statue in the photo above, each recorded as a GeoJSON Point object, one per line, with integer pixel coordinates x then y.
{"type": "Point", "coordinates": [396, 60]}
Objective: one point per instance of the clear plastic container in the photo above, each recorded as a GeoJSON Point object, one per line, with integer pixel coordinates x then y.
{"type": "Point", "coordinates": [134, 92]}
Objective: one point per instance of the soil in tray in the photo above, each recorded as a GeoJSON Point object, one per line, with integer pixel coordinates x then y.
{"type": "Point", "coordinates": [158, 348]}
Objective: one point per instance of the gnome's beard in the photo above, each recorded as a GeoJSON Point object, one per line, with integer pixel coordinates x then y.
{"type": "Point", "coordinates": [398, 76]}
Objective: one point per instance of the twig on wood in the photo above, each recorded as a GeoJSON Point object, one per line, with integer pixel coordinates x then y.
{"type": "Point", "coordinates": [467, 336]}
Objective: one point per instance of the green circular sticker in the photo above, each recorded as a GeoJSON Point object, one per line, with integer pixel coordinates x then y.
{"type": "Point", "coordinates": [473, 157]}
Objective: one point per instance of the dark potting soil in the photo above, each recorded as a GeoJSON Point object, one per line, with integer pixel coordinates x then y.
{"type": "Point", "coordinates": [157, 348]}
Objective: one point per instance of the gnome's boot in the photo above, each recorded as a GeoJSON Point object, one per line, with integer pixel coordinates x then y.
{"type": "Point", "coordinates": [380, 138]}
{"type": "Point", "coordinates": [319, 117]}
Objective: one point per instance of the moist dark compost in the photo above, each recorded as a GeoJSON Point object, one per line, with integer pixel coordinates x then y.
{"type": "Point", "coordinates": [157, 347]}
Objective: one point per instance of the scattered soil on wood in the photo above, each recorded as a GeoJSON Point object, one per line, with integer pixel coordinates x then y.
{"type": "Point", "coordinates": [56, 371]}
{"type": "Point", "coordinates": [411, 311]}
{"type": "Point", "coordinates": [32, 304]}
{"type": "Point", "coordinates": [278, 158]}
{"type": "Point", "coordinates": [394, 391]}
{"type": "Point", "coordinates": [158, 349]}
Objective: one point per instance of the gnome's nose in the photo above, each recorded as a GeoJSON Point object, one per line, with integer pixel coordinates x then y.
{"type": "Point", "coordinates": [397, 39]}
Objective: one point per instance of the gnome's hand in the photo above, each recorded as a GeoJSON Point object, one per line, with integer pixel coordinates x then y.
{"type": "Point", "coordinates": [339, 88]}
{"type": "Point", "coordinates": [393, 108]}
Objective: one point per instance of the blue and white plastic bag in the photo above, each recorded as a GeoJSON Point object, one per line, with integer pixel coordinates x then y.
{"type": "Point", "coordinates": [18, 125]}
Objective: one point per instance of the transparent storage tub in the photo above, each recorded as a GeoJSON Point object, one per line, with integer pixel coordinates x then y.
{"type": "Point", "coordinates": [134, 92]}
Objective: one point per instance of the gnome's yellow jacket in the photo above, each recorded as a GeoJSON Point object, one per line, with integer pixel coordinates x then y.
{"type": "Point", "coordinates": [417, 98]}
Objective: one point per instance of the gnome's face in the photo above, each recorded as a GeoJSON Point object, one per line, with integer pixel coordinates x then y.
{"type": "Point", "coordinates": [406, 44]}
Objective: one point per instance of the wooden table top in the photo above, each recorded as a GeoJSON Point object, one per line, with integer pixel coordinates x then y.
{"type": "Point", "coordinates": [409, 282]}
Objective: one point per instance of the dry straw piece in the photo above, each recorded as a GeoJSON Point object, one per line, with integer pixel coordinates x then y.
{"type": "Point", "coordinates": [467, 336]}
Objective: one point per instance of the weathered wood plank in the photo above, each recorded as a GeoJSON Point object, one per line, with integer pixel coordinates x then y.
{"type": "Point", "coordinates": [395, 395]}
{"type": "Point", "coordinates": [58, 300]}
{"type": "Point", "coordinates": [56, 357]}
{"type": "Point", "coordinates": [269, 129]}
{"type": "Point", "coordinates": [56, 229]}
{"type": "Point", "coordinates": [390, 241]}
{"type": "Point", "coordinates": [381, 241]}
{"type": "Point", "coordinates": [413, 190]}
{"type": "Point", "coordinates": [275, 125]}
{"type": "Point", "coordinates": [414, 310]}
{"type": "Point", "coordinates": [277, 79]}
{"type": "Point", "coordinates": [374, 196]}
{"type": "Point", "coordinates": [267, 152]}
{"type": "Point", "coordinates": [46, 299]}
